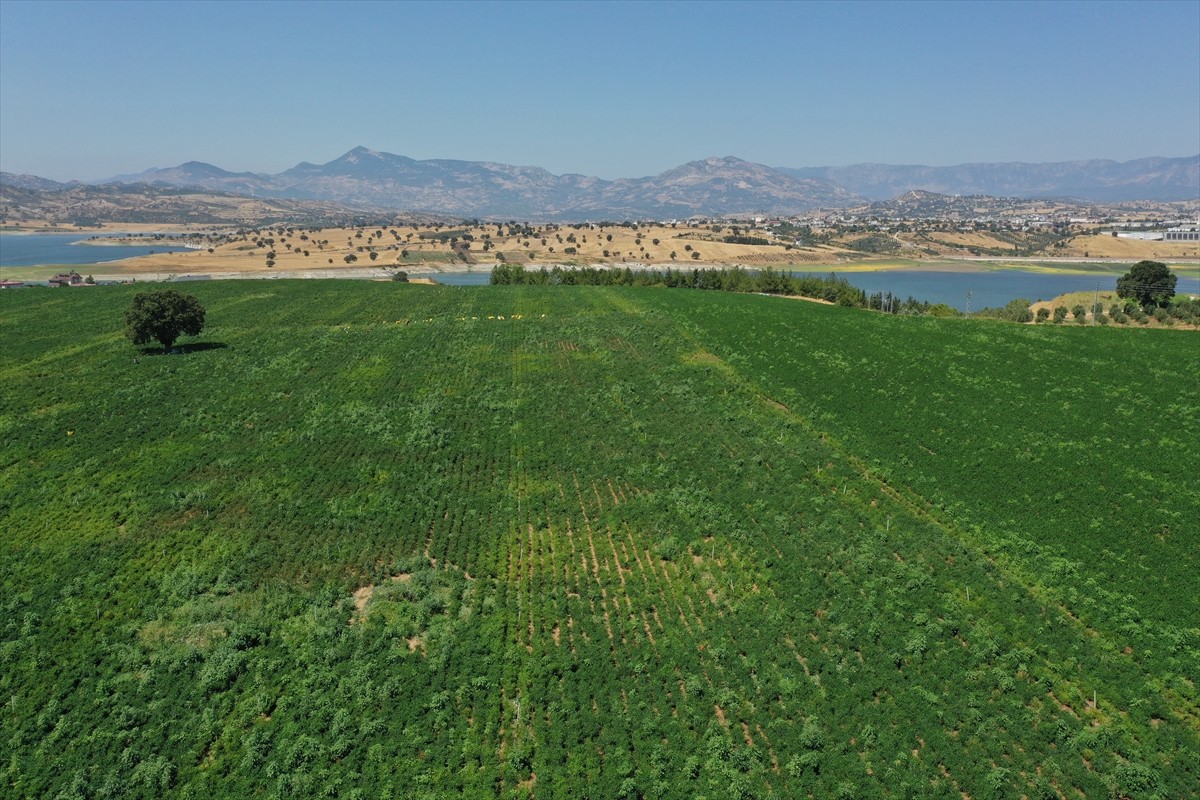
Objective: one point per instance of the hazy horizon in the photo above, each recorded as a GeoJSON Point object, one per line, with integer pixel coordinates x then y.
{"type": "Point", "coordinates": [89, 91]}
{"type": "Point", "coordinates": [568, 172]}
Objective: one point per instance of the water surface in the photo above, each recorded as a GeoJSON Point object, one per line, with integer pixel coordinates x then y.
{"type": "Point", "coordinates": [37, 249]}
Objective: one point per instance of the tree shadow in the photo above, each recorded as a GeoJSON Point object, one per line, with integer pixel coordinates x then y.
{"type": "Point", "coordinates": [184, 349]}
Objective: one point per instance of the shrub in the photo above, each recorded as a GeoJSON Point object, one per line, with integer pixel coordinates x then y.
{"type": "Point", "coordinates": [667, 549]}
{"type": "Point", "coordinates": [1018, 311]}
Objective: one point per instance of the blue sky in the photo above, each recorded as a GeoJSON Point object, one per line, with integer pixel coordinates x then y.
{"type": "Point", "coordinates": [94, 89]}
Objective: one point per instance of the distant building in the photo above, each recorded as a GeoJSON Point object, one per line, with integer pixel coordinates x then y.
{"type": "Point", "coordinates": [67, 279]}
{"type": "Point", "coordinates": [11, 284]}
{"type": "Point", "coordinates": [1185, 233]}
{"type": "Point", "coordinates": [1145, 236]}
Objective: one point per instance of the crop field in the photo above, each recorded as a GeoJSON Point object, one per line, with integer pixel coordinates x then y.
{"type": "Point", "coordinates": [382, 540]}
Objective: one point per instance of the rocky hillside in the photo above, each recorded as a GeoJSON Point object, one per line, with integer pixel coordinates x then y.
{"type": "Point", "coordinates": [160, 204]}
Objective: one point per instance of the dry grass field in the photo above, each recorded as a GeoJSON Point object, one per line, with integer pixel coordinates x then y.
{"type": "Point", "coordinates": [964, 240]}
{"type": "Point", "coordinates": [1097, 246]}
{"type": "Point", "coordinates": [456, 248]}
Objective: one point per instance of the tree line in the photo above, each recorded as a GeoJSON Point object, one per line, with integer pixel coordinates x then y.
{"type": "Point", "coordinates": [829, 288]}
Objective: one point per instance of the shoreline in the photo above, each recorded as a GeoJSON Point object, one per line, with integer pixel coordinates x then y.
{"type": "Point", "coordinates": [345, 252]}
{"type": "Point", "coordinates": [129, 269]}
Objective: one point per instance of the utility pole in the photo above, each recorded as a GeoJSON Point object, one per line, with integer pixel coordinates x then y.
{"type": "Point", "coordinates": [968, 302]}
{"type": "Point", "coordinates": [1095, 302]}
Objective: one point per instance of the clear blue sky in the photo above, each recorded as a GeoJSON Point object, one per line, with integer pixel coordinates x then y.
{"type": "Point", "coordinates": [89, 90]}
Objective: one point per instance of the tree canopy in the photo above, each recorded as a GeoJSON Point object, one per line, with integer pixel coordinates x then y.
{"type": "Point", "coordinates": [1151, 283]}
{"type": "Point", "coordinates": [162, 316]}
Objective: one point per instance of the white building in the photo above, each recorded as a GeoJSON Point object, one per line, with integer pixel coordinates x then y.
{"type": "Point", "coordinates": [1184, 233]}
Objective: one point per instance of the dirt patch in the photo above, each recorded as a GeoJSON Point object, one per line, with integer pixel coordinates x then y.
{"type": "Point", "coordinates": [702, 357]}
{"type": "Point", "coordinates": [805, 299]}
{"type": "Point", "coordinates": [649, 633]}
{"type": "Point", "coordinates": [362, 595]}
{"type": "Point", "coordinates": [774, 403]}
{"type": "Point", "coordinates": [361, 598]}
{"type": "Point", "coordinates": [1061, 705]}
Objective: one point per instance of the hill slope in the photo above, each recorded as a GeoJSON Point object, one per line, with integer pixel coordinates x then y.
{"type": "Point", "coordinates": [525, 541]}
{"type": "Point", "coordinates": [1100, 180]}
{"type": "Point", "coordinates": [160, 203]}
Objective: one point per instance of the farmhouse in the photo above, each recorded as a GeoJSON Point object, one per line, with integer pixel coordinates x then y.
{"type": "Point", "coordinates": [67, 279]}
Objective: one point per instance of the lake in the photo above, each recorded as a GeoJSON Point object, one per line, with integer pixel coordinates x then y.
{"type": "Point", "coordinates": [992, 289]}
{"type": "Point", "coordinates": [457, 278]}
{"type": "Point", "coordinates": [36, 249]}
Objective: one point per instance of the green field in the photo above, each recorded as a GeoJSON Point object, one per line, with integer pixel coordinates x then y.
{"type": "Point", "coordinates": [377, 540]}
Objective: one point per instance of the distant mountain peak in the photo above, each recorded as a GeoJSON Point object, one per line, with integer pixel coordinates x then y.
{"type": "Point", "coordinates": [32, 182]}
{"type": "Point", "coordinates": [356, 154]}
{"type": "Point", "coordinates": [202, 168]}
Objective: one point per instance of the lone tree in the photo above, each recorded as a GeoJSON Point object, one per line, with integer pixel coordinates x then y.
{"type": "Point", "coordinates": [1149, 282]}
{"type": "Point", "coordinates": [162, 316]}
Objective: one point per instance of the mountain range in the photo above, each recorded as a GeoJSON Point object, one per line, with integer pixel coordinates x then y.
{"type": "Point", "coordinates": [1097, 180]}
{"type": "Point", "coordinates": [728, 186]}
{"type": "Point", "coordinates": [362, 176]}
